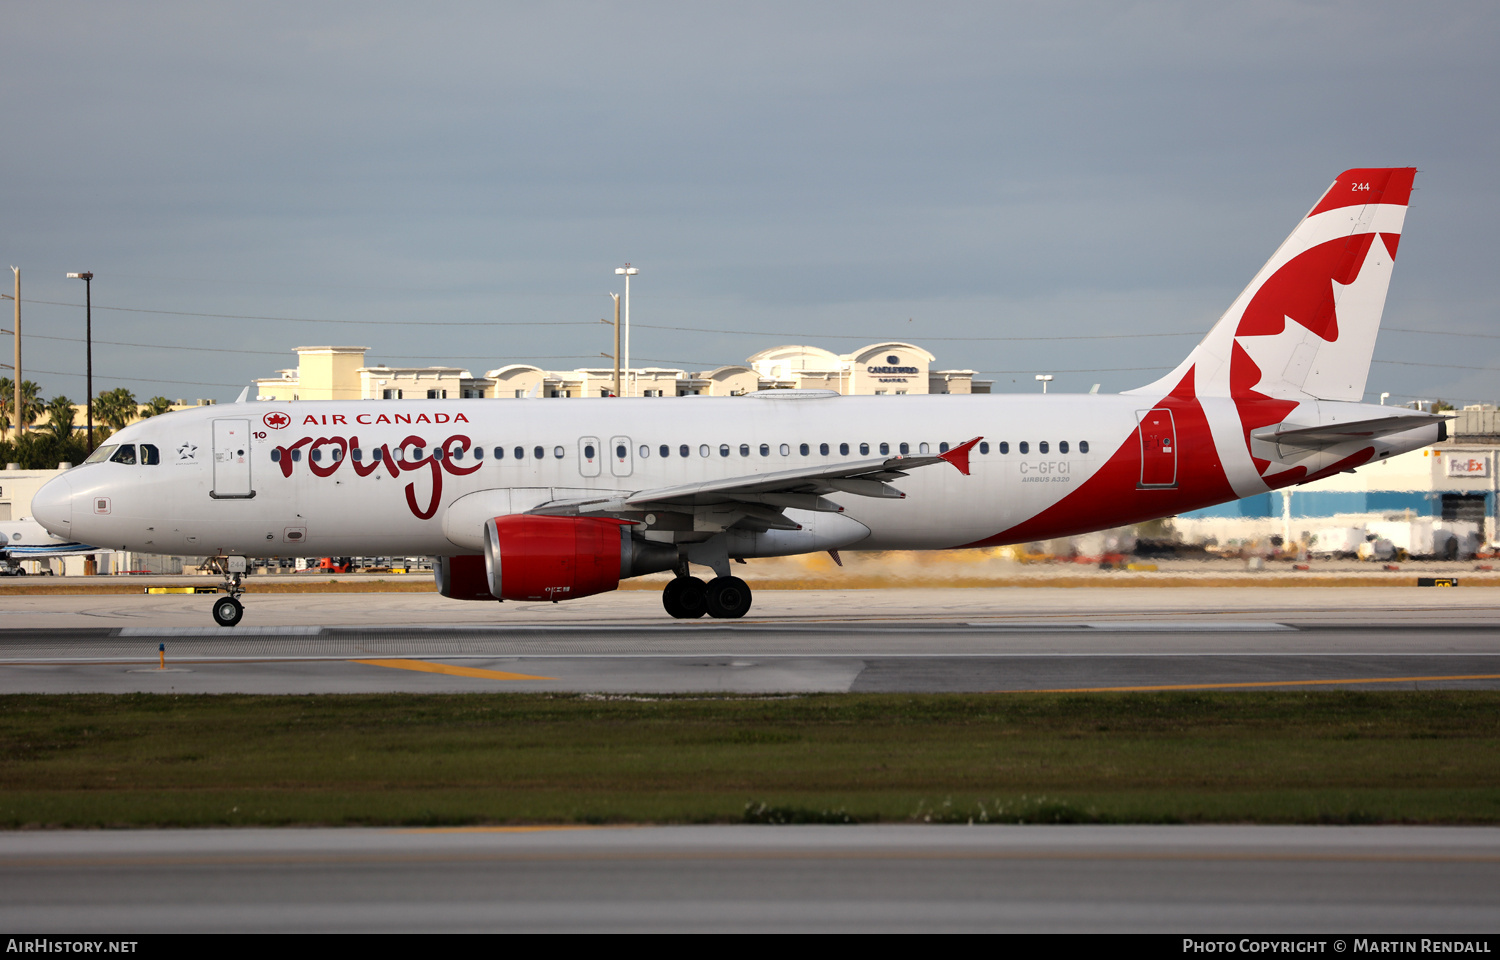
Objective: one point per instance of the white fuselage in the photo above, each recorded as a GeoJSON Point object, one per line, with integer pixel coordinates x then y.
{"type": "Point", "coordinates": [242, 479]}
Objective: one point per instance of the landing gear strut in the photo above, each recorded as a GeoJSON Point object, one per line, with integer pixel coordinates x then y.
{"type": "Point", "coordinates": [227, 609]}
{"type": "Point", "coordinates": [724, 598]}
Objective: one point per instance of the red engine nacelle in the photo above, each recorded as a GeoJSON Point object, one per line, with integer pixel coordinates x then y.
{"type": "Point", "coordinates": [555, 558]}
{"type": "Point", "coordinates": [462, 578]}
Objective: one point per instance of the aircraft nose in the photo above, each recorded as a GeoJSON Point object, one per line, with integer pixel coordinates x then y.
{"type": "Point", "coordinates": [52, 507]}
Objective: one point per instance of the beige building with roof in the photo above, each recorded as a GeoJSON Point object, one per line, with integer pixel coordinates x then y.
{"type": "Point", "coordinates": [887, 368]}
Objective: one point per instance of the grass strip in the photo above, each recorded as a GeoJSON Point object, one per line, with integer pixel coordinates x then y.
{"type": "Point", "coordinates": [404, 759]}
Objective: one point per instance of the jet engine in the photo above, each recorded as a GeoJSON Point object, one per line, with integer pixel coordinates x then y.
{"type": "Point", "coordinates": [462, 578]}
{"type": "Point", "coordinates": [529, 557]}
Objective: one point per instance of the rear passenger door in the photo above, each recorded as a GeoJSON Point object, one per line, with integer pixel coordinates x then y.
{"type": "Point", "coordinates": [1158, 436]}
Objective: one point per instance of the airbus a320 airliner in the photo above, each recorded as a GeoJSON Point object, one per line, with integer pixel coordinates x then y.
{"type": "Point", "coordinates": [538, 500]}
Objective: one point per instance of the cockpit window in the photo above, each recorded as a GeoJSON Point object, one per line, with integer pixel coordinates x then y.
{"type": "Point", "coordinates": [126, 454]}
{"type": "Point", "coordinates": [150, 456]}
{"type": "Point", "coordinates": [102, 454]}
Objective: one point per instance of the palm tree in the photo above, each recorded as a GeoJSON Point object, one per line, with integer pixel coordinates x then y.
{"type": "Point", "coordinates": [115, 409]}
{"type": "Point", "coordinates": [60, 415]}
{"type": "Point", "coordinates": [31, 404]}
{"type": "Point", "coordinates": [7, 400]}
{"type": "Point", "coordinates": [155, 407]}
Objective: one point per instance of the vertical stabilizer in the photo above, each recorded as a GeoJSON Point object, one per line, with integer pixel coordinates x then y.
{"type": "Point", "coordinates": [1305, 326]}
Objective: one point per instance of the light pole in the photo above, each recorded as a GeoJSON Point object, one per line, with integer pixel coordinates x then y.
{"type": "Point", "coordinates": [616, 298]}
{"type": "Point", "coordinates": [627, 272]}
{"type": "Point", "coordinates": [1046, 378]}
{"type": "Point", "coordinates": [17, 298]}
{"type": "Point", "coordinates": [88, 333]}
{"type": "Point", "coordinates": [1383, 397]}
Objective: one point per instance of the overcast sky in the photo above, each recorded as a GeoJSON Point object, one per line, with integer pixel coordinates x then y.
{"type": "Point", "coordinates": [453, 183]}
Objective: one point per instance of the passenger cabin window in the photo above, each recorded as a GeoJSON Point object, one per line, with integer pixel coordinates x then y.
{"type": "Point", "coordinates": [664, 450]}
{"type": "Point", "coordinates": [1004, 447]}
{"type": "Point", "coordinates": [843, 449]}
{"type": "Point", "coordinates": [942, 447]}
{"type": "Point", "coordinates": [786, 450]}
{"type": "Point", "coordinates": [905, 449]}
{"type": "Point", "coordinates": [803, 449]}
{"type": "Point", "coordinates": [377, 454]}
{"type": "Point", "coordinates": [703, 450]}
{"type": "Point", "coordinates": [557, 453]}
{"type": "Point", "coordinates": [275, 456]}
{"type": "Point", "coordinates": [765, 449]}
{"type": "Point", "coordinates": [519, 453]}
{"type": "Point", "coordinates": [682, 450]}
{"type": "Point", "coordinates": [885, 449]}
{"type": "Point", "coordinates": [744, 449]}
{"type": "Point", "coordinates": [864, 449]}
{"type": "Point", "coordinates": [317, 455]}
{"type": "Point", "coordinates": [984, 446]}
{"type": "Point", "coordinates": [540, 453]}
{"type": "Point", "coordinates": [645, 452]}
{"type": "Point", "coordinates": [1024, 447]}
{"type": "Point", "coordinates": [823, 449]}
{"type": "Point", "coordinates": [723, 449]}
{"type": "Point", "coordinates": [1042, 447]}
{"type": "Point", "coordinates": [126, 454]}
{"type": "Point", "coordinates": [1083, 446]}
{"type": "Point", "coordinates": [1062, 447]}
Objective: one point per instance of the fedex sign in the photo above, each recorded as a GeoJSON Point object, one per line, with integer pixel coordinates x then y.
{"type": "Point", "coordinates": [1468, 464]}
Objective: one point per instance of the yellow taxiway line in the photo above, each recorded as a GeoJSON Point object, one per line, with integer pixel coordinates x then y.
{"type": "Point", "coordinates": [423, 666]}
{"type": "Point", "coordinates": [1267, 683]}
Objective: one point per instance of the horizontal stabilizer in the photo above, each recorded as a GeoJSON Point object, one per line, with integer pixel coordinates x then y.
{"type": "Point", "coordinates": [1291, 435]}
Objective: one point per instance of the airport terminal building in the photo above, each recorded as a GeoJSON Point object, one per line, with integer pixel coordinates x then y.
{"type": "Point", "coordinates": [889, 368]}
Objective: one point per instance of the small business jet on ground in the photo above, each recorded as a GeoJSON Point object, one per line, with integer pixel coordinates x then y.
{"type": "Point", "coordinates": [538, 500]}
{"type": "Point", "coordinates": [25, 539]}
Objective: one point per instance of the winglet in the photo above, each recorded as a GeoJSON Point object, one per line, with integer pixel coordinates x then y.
{"type": "Point", "coordinates": [959, 455]}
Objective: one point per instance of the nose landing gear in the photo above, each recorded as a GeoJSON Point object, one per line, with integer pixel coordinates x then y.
{"type": "Point", "coordinates": [227, 609]}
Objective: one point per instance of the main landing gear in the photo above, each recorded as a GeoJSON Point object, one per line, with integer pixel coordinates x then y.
{"type": "Point", "coordinates": [723, 598]}
{"type": "Point", "coordinates": [227, 609]}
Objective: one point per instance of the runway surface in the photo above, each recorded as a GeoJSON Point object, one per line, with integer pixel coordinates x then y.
{"type": "Point", "coordinates": [1353, 880]}
{"type": "Point", "coordinates": [798, 641]}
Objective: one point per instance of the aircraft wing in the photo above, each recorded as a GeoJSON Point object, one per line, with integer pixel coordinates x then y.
{"type": "Point", "coordinates": [1291, 435]}
{"type": "Point", "coordinates": [761, 497]}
